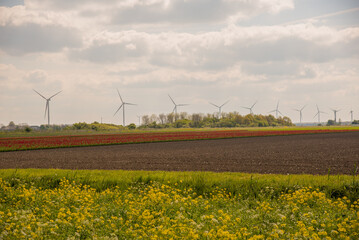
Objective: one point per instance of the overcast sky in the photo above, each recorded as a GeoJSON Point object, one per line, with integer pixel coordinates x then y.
{"type": "Point", "coordinates": [303, 52]}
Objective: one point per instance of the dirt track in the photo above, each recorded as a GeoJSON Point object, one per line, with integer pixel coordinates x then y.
{"type": "Point", "coordinates": [312, 154]}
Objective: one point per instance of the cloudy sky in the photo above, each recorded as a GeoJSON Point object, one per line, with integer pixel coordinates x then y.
{"type": "Point", "coordinates": [298, 52]}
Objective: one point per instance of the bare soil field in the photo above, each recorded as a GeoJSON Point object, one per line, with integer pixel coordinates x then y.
{"type": "Point", "coordinates": [294, 154]}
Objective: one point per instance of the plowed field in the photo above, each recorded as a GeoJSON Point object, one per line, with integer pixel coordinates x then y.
{"type": "Point", "coordinates": [311, 154]}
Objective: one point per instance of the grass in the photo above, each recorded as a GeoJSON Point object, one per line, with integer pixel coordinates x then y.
{"type": "Point", "coordinates": [7, 134]}
{"type": "Point", "coordinates": [82, 204]}
{"type": "Point", "coordinates": [249, 185]}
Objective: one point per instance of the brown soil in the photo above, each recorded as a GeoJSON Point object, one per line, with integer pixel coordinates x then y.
{"type": "Point", "coordinates": [311, 154]}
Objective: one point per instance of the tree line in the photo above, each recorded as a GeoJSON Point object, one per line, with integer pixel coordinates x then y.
{"type": "Point", "coordinates": [200, 120]}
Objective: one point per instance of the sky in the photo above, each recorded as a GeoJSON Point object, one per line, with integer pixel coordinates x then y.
{"type": "Point", "coordinates": [300, 53]}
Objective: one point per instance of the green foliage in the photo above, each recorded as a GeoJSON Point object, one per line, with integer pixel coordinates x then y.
{"type": "Point", "coordinates": [330, 122]}
{"type": "Point", "coordinates": [228, 120]}
{"type": "Point", "coordinates": [131, 126]}
{"type": "Point", "coordinates": [355, 122]}
{"type": "Point", "coordinates": [95, 126]}
{"type": "Point", "coordinates": [28, 129]}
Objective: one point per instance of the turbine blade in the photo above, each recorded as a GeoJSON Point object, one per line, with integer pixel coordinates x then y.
{"type": "Point", "coordinates": [54, 95]}
{"type": "Point", "coordinates": [316, 114]}
{"type": "Point", "coordinates": [273, 111]}
{"type": "Point", "coordinates": [39, 94]}
{"type": "Point", "coordinates": [280, 113]}
{"type": "Point", "coordinates": [254, 104]}
{"type": "Point", "coordinates": [174, 109]}
{"type": "Point", "coordinates": [214, 104]}
{"type": "Point", "coordinates": [246, 108]}
{"type": "Point", "coordinates": [225, 103]}
{"type": "Point", "coordinates": [303, 107]}
{"type": "Point", "coordinates": [119, 95]}
{"type": "Point", "coordinates": [118, 109]}
{"type": "Point", "coordinates": [317, 107]}
{"type": "Point", "coordinates": [182, 104]}
{"type": "Point", "coordinates": [172, 100]}
{"type": "Point", "coordinates": [130, 104]}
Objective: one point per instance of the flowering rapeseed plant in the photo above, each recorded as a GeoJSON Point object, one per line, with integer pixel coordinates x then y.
{"type": "Point", "coordinates": [160, 211]}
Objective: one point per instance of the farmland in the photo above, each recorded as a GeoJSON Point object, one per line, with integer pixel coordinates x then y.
{"type": "Point", "coordinates": [336, 153]}
{"type": "Point", "coordinates": [39, 142]}
{"type": "Point", "coordinates": [201, 192]}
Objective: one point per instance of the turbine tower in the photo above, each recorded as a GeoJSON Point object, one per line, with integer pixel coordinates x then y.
{"type": "Point", "coordinates": [351, 114]}
{"type": "Point", "coordinates": [318, 113]}
{"type": "Point", "coordinates": [176, 105]}
{"type": "Point", "coordinates": [276, 111]}
{"type": "Point", "coordinates": [123, 107]}
{"type": "Point", "coordinates": [250, 108]}
{"type": "Point", "coordinates": [47, 108]}
{"type": "Point", "coordinates": [219, 107]}
{"type": "Point", "coordinates": [300, 113]}
{"type": "Point", "coordinates": [335, 114]}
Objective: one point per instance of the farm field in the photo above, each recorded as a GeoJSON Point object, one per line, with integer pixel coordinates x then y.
{"type": "Point", "coordinates": [62, 204]}
{"type": "Point", "coordinates": [334, 153]}
{"type": "Point", "coordinates": [72, 140]}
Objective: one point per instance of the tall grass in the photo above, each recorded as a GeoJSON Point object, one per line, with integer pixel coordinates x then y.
{"type": "Point", "coordinates": [203, 183]}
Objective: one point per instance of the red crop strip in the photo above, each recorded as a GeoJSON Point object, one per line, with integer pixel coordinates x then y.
{"type": "Point", "coordinates": [10, 144]}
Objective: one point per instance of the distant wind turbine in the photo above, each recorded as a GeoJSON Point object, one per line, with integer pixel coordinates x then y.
{"type": "Point", "coordinates": [300, 113]}
{"type": "Point", "coordinates": [123, 107]}
{"type": "Point", "coordinates": [335, 114]}
{"type": "Point", "coordinates": [351, 114]}
{"type": "Point", "coordinates": [176, 105]}
{"type": "Point", "coordinates": [47, 108]}
{"type": "Point", "coordinates": [220, 107]}
{"type": "Point", "coordinates": [250, 108]}
{"type": "Point", "coordinates": [276, 111]}
{"type": "Point", "coordinates": [318, 114]}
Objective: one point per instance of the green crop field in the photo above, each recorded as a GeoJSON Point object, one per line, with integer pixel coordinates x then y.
{"type": "Point", "coordinates": [65, 204]}
{"type": "Point", "coordinates": [6, 134]}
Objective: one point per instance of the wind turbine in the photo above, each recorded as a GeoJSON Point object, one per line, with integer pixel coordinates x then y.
{"type": "Point", "coordinates": [318, 113]}
{"type": "Point", "coordinates": [176, 105]}
{"type": "Point", "coordinates": [123, 107]}
{"type": "Point", "coordinates": [250, 108]}
{"type": "Point", "coordinates": [219, 107]}
{"type": "Point", "coordinates": [335, 114]}
{"type": "Point", "coordinates": [47, 108]}
{"type": "Point", "coordinates": [351, 114]}
{"type": "Point", "coordinates": [276, 111]}
{"type": "Point", "coordinates": [300, 113]}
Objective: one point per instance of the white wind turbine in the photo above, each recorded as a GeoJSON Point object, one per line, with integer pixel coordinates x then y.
{"type": "Point", "coordinates": [250, 108]}
{"type": "Point", "coordinates": [123, 107]}
{"type": "Point", "coordinates": [176, 105]}
{"type": "Point", "coordinates": [276, 111]}
{"type": "Point", "coordinates": [300, 113]}
{"type": "Point", "coordinates": [335, 114]}
{"type": "Point", "coordinates": [47, 108]}
{"type": "Point", "coordinates": [351, 115]}
{"type": "Point", "coordinates": [219, 107]}
{"type": "Point", "coordinates": [318, 114]}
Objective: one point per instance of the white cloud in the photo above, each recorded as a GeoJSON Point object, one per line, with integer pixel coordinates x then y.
{"type": "Point", "coordinates": [221, 49]}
